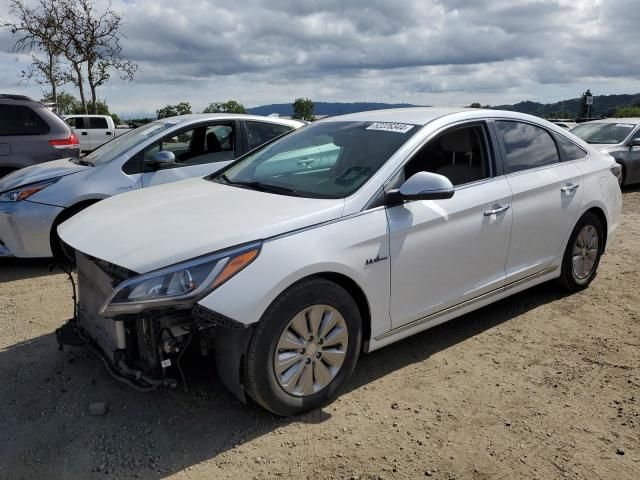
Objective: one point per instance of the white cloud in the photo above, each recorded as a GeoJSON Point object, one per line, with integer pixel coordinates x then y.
{"type": "Point", "coordinates": [443, 52]}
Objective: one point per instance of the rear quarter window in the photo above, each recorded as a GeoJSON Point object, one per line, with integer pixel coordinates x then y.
{"type": "Point", "coordinates": [571, 150]}
{"type": "Point", "coordinates": [21, 120]}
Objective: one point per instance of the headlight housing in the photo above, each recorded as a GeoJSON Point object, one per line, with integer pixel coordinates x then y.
{"type": "Point", "coordinates": [179, 285]}
{"type": "Point", "coordinates": [25, 191]}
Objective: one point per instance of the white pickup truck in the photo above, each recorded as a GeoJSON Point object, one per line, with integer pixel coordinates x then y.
{"type": "Point", "coordinates": [94, 130]}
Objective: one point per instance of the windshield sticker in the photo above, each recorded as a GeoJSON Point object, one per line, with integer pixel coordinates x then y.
{"type": "Point", "coordinates": [390, 127]}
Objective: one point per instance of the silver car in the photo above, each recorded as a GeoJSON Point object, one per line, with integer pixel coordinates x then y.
{"type": "Point", "coordinates": [620, 138]}
{"type": "Point", "coordinates": [35, 200]}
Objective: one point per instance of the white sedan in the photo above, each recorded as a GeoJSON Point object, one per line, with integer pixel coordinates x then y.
{"type": "Point", "coordinates": [342, 237]}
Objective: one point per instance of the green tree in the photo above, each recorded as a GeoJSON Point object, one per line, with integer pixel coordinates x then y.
{"type": "Point", "coordinates": [475, 105]}
{"type": "Point", "coordinates": [303, 109]}
{"type": "Point", "coordinates": [182, 108]}
{"type": "Point", "coordinates": [627, 112]}
{"type": "Point", "coordinates": [230, 106]}
{"type": "Point", "coordinates": [67, 104]}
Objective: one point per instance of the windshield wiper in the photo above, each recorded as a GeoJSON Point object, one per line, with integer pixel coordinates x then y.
{"type": "Point", "coordinates": [80, 161]}
{"type": "Point", "coordinates": [260, 186]}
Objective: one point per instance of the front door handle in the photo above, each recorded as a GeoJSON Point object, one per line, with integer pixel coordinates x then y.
{"type": "Point", "coordinates": [570, 187]}
{"type": "Point", "coordinates": [497, 210]}
{"type": "Point", "coordinates": [306, 162]}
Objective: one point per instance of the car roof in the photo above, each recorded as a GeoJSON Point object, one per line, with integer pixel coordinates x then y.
{"type": "Point", "coordinates": [424, 115]}
{"type": "Point", "coordinates": [631, 120]}
{"type": "Point", "coordinates": [191, 117]}
{"type": "Point", "coordinates": [10, 96]}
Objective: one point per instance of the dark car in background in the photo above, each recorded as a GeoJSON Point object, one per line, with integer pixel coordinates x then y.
{"type": "Point", "coordinates": [620, 138]}
{"type": "Point", "coordinates": [30, 133]}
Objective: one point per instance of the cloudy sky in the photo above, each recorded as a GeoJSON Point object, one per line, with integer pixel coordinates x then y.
{"type": "Point", "coordinates": [436, 52]}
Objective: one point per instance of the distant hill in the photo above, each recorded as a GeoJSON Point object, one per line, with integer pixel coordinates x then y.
{"type": "Point", "coordinates": [327, 108]}
{"type": "Point", "coordinates": [602, 105]}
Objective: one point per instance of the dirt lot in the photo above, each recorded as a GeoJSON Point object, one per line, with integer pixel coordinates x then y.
{"type": "Point", "coordinates": [541, 385]}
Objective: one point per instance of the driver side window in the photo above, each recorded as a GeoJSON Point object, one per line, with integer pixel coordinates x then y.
{"type": "Point", "coordinates": [460, 154]}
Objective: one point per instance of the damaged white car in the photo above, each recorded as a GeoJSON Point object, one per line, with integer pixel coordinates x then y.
{"type": "Point", "coordinates": [344, 236]}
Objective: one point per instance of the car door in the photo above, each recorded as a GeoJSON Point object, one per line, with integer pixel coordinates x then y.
{"type": "Point", "coordinates": [80, 126]}
{"type": "Point", "coordinates": [445, 252]}
{"type": "Point", "coordinates": [546, 196]}
{"type": "Point", "coordinates": [633, 164]}
{"type": "Point", "coordinates": [99, 132]}
{"type": "Point", "coordinates": [199, 151]}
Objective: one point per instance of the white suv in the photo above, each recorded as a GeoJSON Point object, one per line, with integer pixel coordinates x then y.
{"type": "Point", "coordinates": [344, 236]}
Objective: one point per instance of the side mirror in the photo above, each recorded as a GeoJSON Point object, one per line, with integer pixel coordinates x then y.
{"type": "Point", "coordinates": [162, 158]}
{"type": "Point", "coordinates": [635, 142]}
{"type": "Point", "coordinates": [422, 186]}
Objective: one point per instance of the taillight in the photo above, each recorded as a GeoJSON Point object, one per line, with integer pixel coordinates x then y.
{"type": "Point", "coordinates": [70, 141]}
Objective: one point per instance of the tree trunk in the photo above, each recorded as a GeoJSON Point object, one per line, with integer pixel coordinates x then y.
{"type": "Point", "coordinates": [80, 83]}
{"type": "Point", "coordinates": [92, 87]}
{"type": "Point", "coordinates": [54, 82]}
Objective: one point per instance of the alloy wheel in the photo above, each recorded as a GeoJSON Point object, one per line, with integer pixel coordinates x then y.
{"type": "Point", "coordinates": [585, 252]}
{"type": "Point", "coordinates": [311, 350]}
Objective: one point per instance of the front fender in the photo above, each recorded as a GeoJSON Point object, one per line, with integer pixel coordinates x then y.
{"type": "Point", "coordinates": [341, 247]}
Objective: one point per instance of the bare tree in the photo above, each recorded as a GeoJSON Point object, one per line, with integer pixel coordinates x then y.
{"type": "Point", "coordinates": [94, 41]}
{"type": "Point", "coordinates": [39, 31]}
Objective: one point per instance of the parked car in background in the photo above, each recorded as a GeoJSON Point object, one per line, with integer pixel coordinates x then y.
{"type": "Point", "coordinates": [285, 270]}
{"type": "Point", "coordinates": [35, 200]}
{"type": "Point", "coordinates": [30, 133]}
{"type": "Point", "coordinates": [94, 130]}
{"type": "Point", "coordinates": [566, 124]}
{"type": "Point", "coordinates": [620, 138]}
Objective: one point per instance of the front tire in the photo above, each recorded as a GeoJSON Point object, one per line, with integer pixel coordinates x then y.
{"type": "Point", "coordinates": [583, 252]}
{"type": "Point", "coordinates": [304, 348]}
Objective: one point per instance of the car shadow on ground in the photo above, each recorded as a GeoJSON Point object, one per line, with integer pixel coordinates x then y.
{"type": "Point", "coordinates": [12, 269]}
{"type": "Point", "coordinates": [46, 431]}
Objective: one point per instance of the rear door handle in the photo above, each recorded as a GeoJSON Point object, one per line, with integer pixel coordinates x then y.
{"type": "Point", "coordinates": [496, 211]}
{"type": "Point", "coordinates": [305, 162]}
{"type": "Point", "coordinates": [570, 187]}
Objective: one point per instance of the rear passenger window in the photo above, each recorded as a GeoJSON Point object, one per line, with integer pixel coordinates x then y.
{"type": "Point", "coordinates": [526, 146]}
{"type": "Point", "coordinates": [571, 150]}
{"type": "Point", "coordinates": [21, 120]}
{"type": "Point", "coordinates": [98, 123]}
{"type": "Point", "coordinates": [261, 132]}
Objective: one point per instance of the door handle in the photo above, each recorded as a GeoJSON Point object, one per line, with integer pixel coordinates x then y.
{"type": "Point", "coordinates": [497, 210]}
{"type": "Point", "coordinates": [84, 133]}
{"type": "Point", "coordinates": [305, 162]}
{"type": "Point", "coordinates": [570, 187]}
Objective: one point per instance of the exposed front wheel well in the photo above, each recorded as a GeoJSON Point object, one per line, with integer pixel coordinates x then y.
{"type": "Point", "coordinates": [358, 295]}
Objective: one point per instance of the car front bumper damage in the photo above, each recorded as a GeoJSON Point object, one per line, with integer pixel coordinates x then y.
{"type": "Point", "coordinates": [145, 350]}
{"type": "Point", "coordinates": [25, 228]}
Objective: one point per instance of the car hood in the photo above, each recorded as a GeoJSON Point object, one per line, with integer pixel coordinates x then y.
{"type": "Point", "coordinates": [605, 147]}
{"type": "Point", "coordinates": [40, 172]}
{"type": "Point", "coordinates": [156, 227]}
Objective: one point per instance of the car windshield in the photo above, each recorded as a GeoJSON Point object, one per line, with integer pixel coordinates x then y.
{"type": "Point", "coordinates": [321, 160]}
{"type": "Point", "coordinates": [116, 147]}
{"type": "Point", "coordinates": [610, 133]}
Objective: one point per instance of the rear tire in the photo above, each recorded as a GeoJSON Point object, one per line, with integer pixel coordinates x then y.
{"type": "Point", "coordinates": [304, 348]}
{"type": "Point", "coordinates": [583, 252]}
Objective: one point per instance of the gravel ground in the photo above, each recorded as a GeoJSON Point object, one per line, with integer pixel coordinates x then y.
{"type": "Point", "coordinates": [541, 385]}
